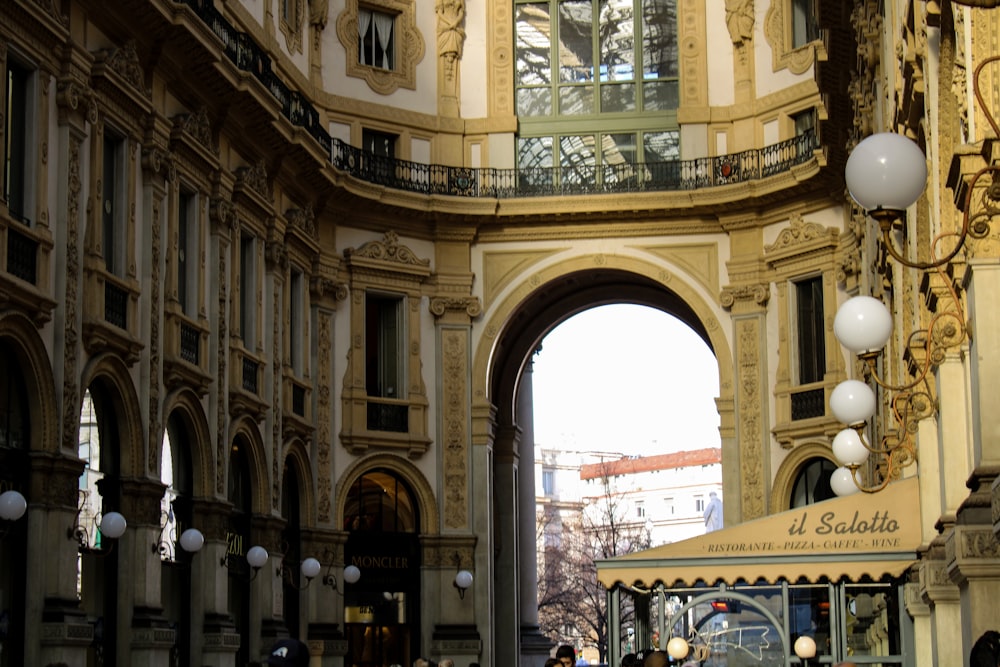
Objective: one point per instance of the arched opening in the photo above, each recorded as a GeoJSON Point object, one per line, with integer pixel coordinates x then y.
{"type": "Point", "coordinates": [175, 517]}
{"type": "Point", "coordinates": [15, 439]}
{"type": "Point", "coordinates": [382, 610]}
{"type": "Point", "coordinates": [100, 493]}
{"type": "Point", "coordinates": [291, 538]}
{"type": "Point", "coordinates": [238, 538]}
{"type": "Point", "coordinates": [524, 322]}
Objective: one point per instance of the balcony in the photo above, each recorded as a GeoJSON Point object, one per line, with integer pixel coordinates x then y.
{"type": "Point", "coordinates": [245, 383]}
{"type": "Point", "coordinates": [430, 179]}
{"type": "Point", "coordinates": [24, 261]}
{"type": "Point", "coordinates": [185, 358]}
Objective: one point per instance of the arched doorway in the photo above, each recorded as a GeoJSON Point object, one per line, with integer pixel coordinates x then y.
{"type": "Point", "coordinates": [15, 438]}
{"type": "Point", "coordinates": [382, 610]}
{"type": "Point", "coordinates": [100, 493]}
{"type": "Point", "coordinates": [176, 473]}
{"type": "Point", "coordinates": [238, 538]}
{"type": "Point", "coordinates": [545, 299]}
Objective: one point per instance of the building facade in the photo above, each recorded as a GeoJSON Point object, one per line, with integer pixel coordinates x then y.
{"type": "Point", "coordinates": [274, 270]}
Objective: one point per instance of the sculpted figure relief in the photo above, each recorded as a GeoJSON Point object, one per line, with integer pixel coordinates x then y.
{"type": "Point", "coordinates": [739, 20]}
{"type": "Point", "coordinates": [451, 35]}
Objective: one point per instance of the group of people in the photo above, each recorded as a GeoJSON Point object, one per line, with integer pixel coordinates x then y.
{"type": "Point", "coordinates": [294, 653]}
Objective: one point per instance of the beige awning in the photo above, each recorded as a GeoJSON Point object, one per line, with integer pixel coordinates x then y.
{"type": "Point", "coordinates": [863, 534]}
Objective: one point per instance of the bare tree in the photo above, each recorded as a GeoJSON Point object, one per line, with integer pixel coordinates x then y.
{"type": "Point", "coordinates": [572, 604]}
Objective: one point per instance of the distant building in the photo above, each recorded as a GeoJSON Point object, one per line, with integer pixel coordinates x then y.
{"type": "Point", "coordinates": [669, 492]}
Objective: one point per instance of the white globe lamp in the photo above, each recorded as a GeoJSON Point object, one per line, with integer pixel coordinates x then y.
{"type": "Point", "coordinates": [863, 324]}
{"type": "Point", "coordinates": [842, 482]}
{"type": "Point", "coordinates": [352, 574]}
{"type": "Point", "coordinates": [192, 540]}
{"type": "Point", "coordinates": [677, 648]}
{"type": "Point", "coordinates": [805, 647]}
{"type": "Point", "coordinates": [849, 449]}
{"type": "Point", "coordinates": [886, 171]}
{"type": "Point", "coordinates": [310, 568]}
{"type": "Point", "coordinates": [113, 525]}
{"type": "Point", "coordinates": [852, 402]}
{"type": "Point", "coordinates": [12, 505]}
{"type": "Point", "coordinates": [257, 556]}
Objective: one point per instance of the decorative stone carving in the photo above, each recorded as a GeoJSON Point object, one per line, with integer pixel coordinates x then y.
{"type": "Point", "coordinates": [760, 294]}
{"type": "Point", "coordinates": [798, 232]}
{"type": "Point", "coordinates": [124, 61]}
{"type": "Point", "coordinates": [389, 250]}
{"type": "Point", "coordinates": [302, 219]}
{"type": "Point", "coordinates": [254, 177]}
{"type": "Point", "coordinates": [470, 304]}
{"type": "Point", "coordinates": [198, 127]}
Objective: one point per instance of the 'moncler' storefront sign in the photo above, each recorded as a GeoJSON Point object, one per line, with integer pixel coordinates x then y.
{"type": "Point", "coordinates": [851, 536]}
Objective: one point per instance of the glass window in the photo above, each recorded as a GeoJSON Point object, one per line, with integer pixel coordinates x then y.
{"type": "Point", "coordinates": [296, 321]}
{"type": "Point", "coordinates": [248, 291]}
{"type": "Point", "coordinates": [187, 253]}
{"type": "Point", "coordinates": [548, 482]}
{"type": "Point", "coordinates": [384, 345]}
{"type": "Point", "coordinates": [871, 620]}
{"type": "Point", "coordinates": [617, 61]}
{"type": "Point", "coordinates": [804, 28]}
{"type": "Point", "coordinates": [377, 143]}
{"type": "Point", "coordinates": [812, 484]}
{"type": "Point", "coordinates": [112, 202]}
{"type": "Point", "coordinates": [810, 330]}
{"type": "Point", "coordinates": [376, 32]}
{"type": "Point", "coordinates": [380, 501]}
{"type": "Point", "coordinates": [16, 133]}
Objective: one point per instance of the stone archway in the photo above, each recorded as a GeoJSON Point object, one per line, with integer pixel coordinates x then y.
{"type": "Point", "coordinates": [535, 303]}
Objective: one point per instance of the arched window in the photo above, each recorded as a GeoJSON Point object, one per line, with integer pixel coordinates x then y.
{"type": "Point", "coordinates": [381, 501]}
{"type": "Point", "coordinates": [812, 484]}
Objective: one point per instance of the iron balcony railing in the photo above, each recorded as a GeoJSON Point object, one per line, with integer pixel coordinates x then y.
{"type": "Point", "coordinates": [502, 183]}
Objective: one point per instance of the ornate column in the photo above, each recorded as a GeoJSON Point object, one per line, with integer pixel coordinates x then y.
{"type": "Point", "coordinates": [506, 591]}
{"type": "Point", "coordinates": [942, 599]}
{"type": "Point", "coordinates": [151, 635]}
{"type": "Point", "coordinates": [57, 628]}
{"type": "Point", "coordinates": [454, 313]}
{"type": "Point", "coordinates": [535, 646]}
{"type": "Point", "coordinates": [216, 633]}
{"type": "Point", "coordinates": [748, 304]}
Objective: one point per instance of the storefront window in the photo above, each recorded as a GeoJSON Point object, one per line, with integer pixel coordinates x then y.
{"type": "Point", "coordinates": [381, 611]}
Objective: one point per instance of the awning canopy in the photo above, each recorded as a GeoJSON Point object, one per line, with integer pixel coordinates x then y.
{"type": "Point", "coordinates": [863, 534]}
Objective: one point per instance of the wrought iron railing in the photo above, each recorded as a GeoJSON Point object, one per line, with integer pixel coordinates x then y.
{"type": "Point", "coordinates": [22, 256]}
{"type": "Point", "coordinates": [115, 305]}
{"type": "Point", "coordinates": [392, 417]}
{"type": "Point", "coordinates": [250, 369]}
{"type": "Point", "coordinates": [190, 344]}
{"type": "Point", "coordinates": [503, 183]}
{"type": "Point", "coordinates": [808, 404]}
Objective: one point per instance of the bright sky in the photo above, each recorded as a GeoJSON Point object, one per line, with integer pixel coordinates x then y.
{"type": "Point", "coordinates": [628, 379]}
